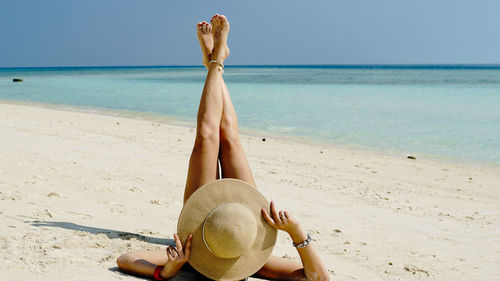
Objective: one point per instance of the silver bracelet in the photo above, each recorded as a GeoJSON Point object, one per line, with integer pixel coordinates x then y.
{"type": "Point", "coordinates": [303, 244]}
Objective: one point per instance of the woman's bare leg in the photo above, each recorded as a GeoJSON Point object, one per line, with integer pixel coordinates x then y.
{"type": "Point", "coordinates": [205, 37]}
{"type": "Point", "coordinates": [203, 162]}
{"type": "Point", "coordinates": [231, 155]}
{"type": "Point", "coordinates": [234, 163]}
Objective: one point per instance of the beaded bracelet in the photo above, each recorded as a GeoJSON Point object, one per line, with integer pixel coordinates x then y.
{"type": "Point", "coordinates": [217, 62]}
{"type": "Point", "coordinates": [303, 244]}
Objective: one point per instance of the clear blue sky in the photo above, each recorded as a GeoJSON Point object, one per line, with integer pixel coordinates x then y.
{"type": "Point", "coordinates": [152, 32]}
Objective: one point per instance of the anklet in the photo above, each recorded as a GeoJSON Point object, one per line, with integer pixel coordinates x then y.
{"type": "Point", "coordinates": [217, 62]}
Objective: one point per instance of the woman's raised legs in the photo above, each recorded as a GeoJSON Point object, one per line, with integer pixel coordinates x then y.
{"type": "Point", "coordinates": [203, 162]}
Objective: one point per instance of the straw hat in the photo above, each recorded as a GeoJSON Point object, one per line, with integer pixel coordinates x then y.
{"type": "Point", "coordinates": [231, 240]}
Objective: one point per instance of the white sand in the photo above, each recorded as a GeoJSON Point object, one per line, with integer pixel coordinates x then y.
{"type": "Point", "coordinates": [78, 189]}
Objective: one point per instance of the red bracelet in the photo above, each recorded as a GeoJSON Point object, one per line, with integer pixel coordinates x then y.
{"type": "Point", "coordinates": [158, 269]}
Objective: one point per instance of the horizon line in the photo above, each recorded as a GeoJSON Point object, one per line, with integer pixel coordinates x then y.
{"type": "Point", "coordinates": [357, 65]}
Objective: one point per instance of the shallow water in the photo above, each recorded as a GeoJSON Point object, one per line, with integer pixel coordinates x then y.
{"type": "Point", "coordinates": [446, 111]}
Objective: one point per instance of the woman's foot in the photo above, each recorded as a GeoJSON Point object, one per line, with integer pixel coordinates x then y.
{"type": "Point", "coordinates": [205, 37]}
{"type": "Point", "coordinates": [220, 30]}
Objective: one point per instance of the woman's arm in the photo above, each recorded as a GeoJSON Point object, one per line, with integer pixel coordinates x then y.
{"type": "Point", "coordinates": [312, 266]}
{"type": "Point", "coordinates": [145, 262]}
{"type": "Point", "coordinates": [277, 268]}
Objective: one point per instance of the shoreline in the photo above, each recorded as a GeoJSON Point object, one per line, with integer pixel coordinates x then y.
{"type": "Point", "coordinates": [78, 189]}
{"type": "Point", "coordinates": [176, 121]}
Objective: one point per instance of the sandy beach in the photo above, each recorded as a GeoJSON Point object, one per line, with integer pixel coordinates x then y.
{"type": "Point", "coordinates": [78, 189]}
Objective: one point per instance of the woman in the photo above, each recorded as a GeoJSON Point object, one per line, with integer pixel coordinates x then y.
{"type": "Point", "coordinates": [217, 140]}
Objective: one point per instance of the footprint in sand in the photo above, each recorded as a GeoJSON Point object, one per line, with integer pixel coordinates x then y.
{"type": "Point", "coordinates": [134, 189]}
{"type": "Point", "coordinates": [107, 259]}
{"type": "Point", "coordinates": [81, 215]}
{"type": "Point", "coordinates": [36, 180]}
{"type": "Point", "coordinates": [53, 194]}
{"type": "Point", "coordinates": [115, 207]}
{"type": "Point", "coordinates": [414, 270]}
{"type": "Point", "coordinates": [148, 232]}
{"type": "Point", "coordinates": [335, 232]}
{"type": "Point", "coordinates": [156, 202]}
{"type": "Point", "coordinates": [42, 214]}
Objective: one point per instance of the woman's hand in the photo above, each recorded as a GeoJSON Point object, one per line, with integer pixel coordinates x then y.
{"type": "Point", "coordinates": [314, 269]}
{"type": "Point", "coordinates": [177, 257]}
{"type": "Point", "coordinates": [281, 220]}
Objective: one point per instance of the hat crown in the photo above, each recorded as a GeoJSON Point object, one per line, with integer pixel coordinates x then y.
{"type": "Point", "coordinates": [230, 230]}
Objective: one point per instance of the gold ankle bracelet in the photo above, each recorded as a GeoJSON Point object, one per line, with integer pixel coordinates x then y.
{"type": "Point", "coordinates": [217, 62]}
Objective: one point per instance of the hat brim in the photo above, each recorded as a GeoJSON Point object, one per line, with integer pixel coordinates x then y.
{"type": "Point", "coordinates": [196, 209]}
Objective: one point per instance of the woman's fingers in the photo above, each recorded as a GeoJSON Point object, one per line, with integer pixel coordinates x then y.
{"type": "Point", "coordinates": [170, 254]}
{"type": "Point", "coordinates": [176, 253]}
{"type": "Point", "coordinates": [268, 219]}
{"type": "Point", "coordinates": [282, 216]}
{"type": "Point", "coordinates": [178, 244]}
{"type": "Point", "coordinates": [279, 220]}
{"type": "Point", "coordinates": [187, 249]}
{"type": "Point", "coordinates": [287, 215]}
{"type": "Point", "coordinates": [276, 216]}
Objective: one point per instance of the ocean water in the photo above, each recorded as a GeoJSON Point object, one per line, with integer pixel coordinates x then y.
{"type": "Point", "coordinates": [445, 111]}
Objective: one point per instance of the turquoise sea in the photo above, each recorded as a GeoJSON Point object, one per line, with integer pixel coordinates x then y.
{"type": "Point", "coordinates": [447, 111]}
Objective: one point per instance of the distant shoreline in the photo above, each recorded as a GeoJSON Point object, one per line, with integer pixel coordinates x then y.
{"type": "Point", "coordinates": [314, 66]}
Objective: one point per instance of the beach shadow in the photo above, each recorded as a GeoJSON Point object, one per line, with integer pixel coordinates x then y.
{"type": "Point", "coordinates": [187, 273]}
{"type": "Point", "coordinates": [112, 234]}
